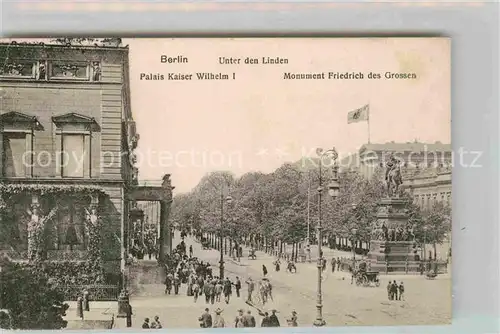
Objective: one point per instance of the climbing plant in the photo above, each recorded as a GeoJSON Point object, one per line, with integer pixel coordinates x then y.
{"type": "Point", "coordinates": [38, 220]}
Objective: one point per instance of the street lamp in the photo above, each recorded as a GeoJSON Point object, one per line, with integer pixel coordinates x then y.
{"type": "Point", "coordinates": [353, 245]}
{"type": "Point", "coordinates": [229, 200]}
{"type": "Point", "coordinates": [425, 254]}
{"type": "Point", "coordinates": [333, 191]}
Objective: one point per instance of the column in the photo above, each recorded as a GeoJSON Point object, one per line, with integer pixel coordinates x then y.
{"type": "Point", "coordinates": [165, 232]}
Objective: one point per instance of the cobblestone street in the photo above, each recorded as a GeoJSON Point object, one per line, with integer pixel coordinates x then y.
{"type": "Point", "coordinates": [426, 301]}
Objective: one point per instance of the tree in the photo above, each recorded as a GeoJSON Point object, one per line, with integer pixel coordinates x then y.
{"type": "Point", "coordinates": [436, 225]}
{"type": "Point", "coordinates": [31, 299]}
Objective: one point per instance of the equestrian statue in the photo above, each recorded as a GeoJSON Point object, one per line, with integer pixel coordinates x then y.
{"type": "Point", "coordinates": [393, 176]}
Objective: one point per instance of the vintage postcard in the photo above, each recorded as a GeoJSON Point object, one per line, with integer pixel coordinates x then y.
{"type": "Point", "coordinates": [225, 182]}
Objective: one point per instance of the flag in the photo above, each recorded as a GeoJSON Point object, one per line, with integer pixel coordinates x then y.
{"type": "Point", "coordinates": [358, 115]}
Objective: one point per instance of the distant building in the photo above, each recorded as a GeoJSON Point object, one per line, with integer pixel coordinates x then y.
{"type": "Point", "coordinates": [67, 139]}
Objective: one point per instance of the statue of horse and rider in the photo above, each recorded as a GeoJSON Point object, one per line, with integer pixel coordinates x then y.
{"type": "Point", "coordinates": [393, 176]}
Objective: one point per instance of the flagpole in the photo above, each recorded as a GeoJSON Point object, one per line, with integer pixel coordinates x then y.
{"type": "Point", "coordinates": [368, 121]}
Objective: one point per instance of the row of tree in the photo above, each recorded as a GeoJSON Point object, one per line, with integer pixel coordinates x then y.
{"type": "Point", "coordinates": [277, 207]}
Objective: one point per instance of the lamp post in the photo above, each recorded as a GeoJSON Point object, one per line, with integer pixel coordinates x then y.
{"type": "Point", "coordinates": [229, 199]}
{"type": "Point", "coordinates": [354, 231]}
{"type": "Point", "coordinates": [425, 254]}
{"type": "Point", "coordinates": [353, 239]}
{"type": "Point", "coordinates": [333, 191]}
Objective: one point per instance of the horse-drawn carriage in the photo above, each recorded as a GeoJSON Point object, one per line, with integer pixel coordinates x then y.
{"type": "Point", "coordinates": [367, 278]}
{"type": "Point", "coordinates": [364, 277]}
{"type": "Point", "coordinates": [205, 244]}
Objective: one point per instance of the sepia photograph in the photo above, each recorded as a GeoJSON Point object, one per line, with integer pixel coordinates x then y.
{"type": "Point", "coordinates": [153, 183]}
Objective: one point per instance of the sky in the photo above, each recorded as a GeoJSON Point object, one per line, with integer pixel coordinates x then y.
{"type": "Point", "coordinates": [258, 121]}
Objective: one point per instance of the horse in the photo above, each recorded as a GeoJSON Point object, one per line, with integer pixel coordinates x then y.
{"type": "Point", "coordinates": [394, 180]}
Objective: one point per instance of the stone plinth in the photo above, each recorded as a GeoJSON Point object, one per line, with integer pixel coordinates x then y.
{"type": "Point", "coordinates": [391, 248]}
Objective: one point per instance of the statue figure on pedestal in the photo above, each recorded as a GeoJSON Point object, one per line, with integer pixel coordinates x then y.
{"type": "Point", "coordinates": [393, 176]}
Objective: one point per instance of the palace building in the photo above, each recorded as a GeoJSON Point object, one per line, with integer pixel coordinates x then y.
{"type": "Point", "coordinates": [67, 137]}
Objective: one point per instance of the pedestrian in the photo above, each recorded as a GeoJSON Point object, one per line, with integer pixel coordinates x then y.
{"type": "Point", "coordinates": [237, 286]}
{"type": "Point", "coordinates": [323, 262]}
{"type": "Point", "coordinates": [145, 324]}
{"type": "Point", "coordinates": [190, 250]}
{"type": "Point", "coordinates": [177, 284]}
{"type": "Point", "coordinates": [249, 319]}
{"type": "Point", "coordinates": [227, 290]}
{"type": "Point", "coordinates": [86, 300]}
{"type": "Point", "coordinates": [129, 315]}
{"type": "Point", "coordinates": [150, 251]}
{"type": "Point", "coordinates": [156, 323]}
{"type": "Point", "coordinates": [277, 264]}
{"type": "Point", "coordinates": [401, 291]}
{"type": "Point", "coordinates": [218, 319]}
{"type": "Point", "coordinates": [212, 291]}
{"type": "Point", "coordinates": [168, 284]}
{"type": "Point", "coordinates": [205, 319]}
{"type": "Point", "coordinates": [239, 321]}
{"type": "Point", "coordinates": [394, 290]}
{"type": "Point", "coordinates": [273, 319]}
{"type": "Point", "coordinates": [218, 291]}
{"type": "Point", "coordinates": [264, 270]}
{"type": "Point", "coordinates": [338, 263]}
{"type": "Point", "coordinates": [265, 320]}
{"type": "Point", "coordinates": [79, 307]}
{"type": "Point", "coordinates": [389, 290]}
{"type": "Point", "coordinates": [292, 322]}
{"type": "Point", "coordinates": [333, 263]}
{"type": "Point", "coordinates": [251, 287]}
{"type": "Point", "coordinates": [206, 291]}
{"type": "Point", "coordinates": [196, 291]}
{"type": "Point", "coordinates": [189, 290]}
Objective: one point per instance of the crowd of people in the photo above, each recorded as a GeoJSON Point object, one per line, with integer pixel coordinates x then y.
{"type": "Point", "coordinates": [184, 268]}
{"type": "Point", "coordinates": [243, 320]}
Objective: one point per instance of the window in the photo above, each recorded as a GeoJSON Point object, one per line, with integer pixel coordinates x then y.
{"type": "Point", "coordinates": [74, 155]}
{"type": "Point", "coordinates": [72, 71]}
{"type": "Point", "coordinates": [70, 227]}
{"type": "Point", "coordinates": [74, 142]}
{"type": "Point", "coordinates": [16, 137]}
{"type": "Point", "coordinates": [14, 149]}
{"type": "Point", "coordinates": [18, 68]}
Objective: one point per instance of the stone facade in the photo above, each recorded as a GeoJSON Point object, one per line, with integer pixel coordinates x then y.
{"type": "Point", "coordinates": [66, 121]}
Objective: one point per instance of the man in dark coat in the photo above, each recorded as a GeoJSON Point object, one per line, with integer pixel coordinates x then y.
{"type": "Point", "coordinates": [205, 319]}
{"type": "Point", "coordinates": [264, 270]}
{"type": "Point", "coordinates": [273, 319]}
{"type": "Point", "coordinates": [227, 289]}
{"type": "Point", "coordinates": [394, 290]}
{"type": "Point", "coordinates": [145, 324]}
{"type": "Point", "coordinates": [177, 284]}
{"type": "Point", "coordinates": [237, 286]}
{"type": "Point", "coordinates": [129, 315]}
{"type": "Point", "coordinates": [249, 319]}
{"type": "Point", "coordinates": [265, 320]}
{"type": "Point", "coordinates": [207, 290]}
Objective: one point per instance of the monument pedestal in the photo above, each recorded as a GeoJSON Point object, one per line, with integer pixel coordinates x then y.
{"type": "Point", "coordinates": [392, 250]}
{"type": "Point", "coordinates": [393, 257]}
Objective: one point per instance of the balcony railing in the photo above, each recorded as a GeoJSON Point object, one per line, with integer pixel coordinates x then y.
{"type": "Point", "coordinates": [96, 292]}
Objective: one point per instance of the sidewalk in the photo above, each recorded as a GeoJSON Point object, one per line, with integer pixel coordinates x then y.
{"type": "Point", "coordinates": [101, 316]}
